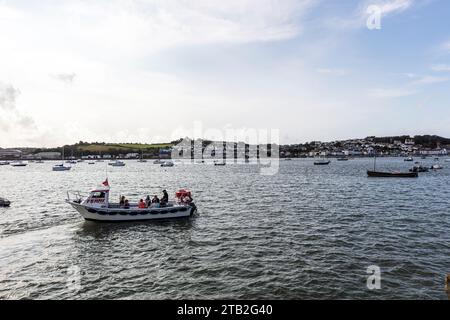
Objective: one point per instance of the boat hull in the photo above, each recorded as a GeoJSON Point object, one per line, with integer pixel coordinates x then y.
{"type": "Point", "coordinates": [377, 174]}
{"type": "Point", "coordinates": [322, 163]}
{"type": "Point", "coordinates": [61, 168]}
{"type": "Point", "coordinates": [134, 214]}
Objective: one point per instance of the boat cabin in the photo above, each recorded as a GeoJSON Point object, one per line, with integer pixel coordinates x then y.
{"type": "Point", "coordinates": [98, 198]}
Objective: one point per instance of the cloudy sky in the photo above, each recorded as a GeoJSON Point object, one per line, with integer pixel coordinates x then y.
{"type": "Point", "coordinates": [147, 70]}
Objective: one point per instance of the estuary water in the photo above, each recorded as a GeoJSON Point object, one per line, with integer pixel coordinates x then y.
{"type": "Point", "coordinates": [307, 232]}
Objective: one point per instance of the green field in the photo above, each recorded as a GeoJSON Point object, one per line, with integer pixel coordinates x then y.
{"type": "Point", "coordinates": [126, 147]}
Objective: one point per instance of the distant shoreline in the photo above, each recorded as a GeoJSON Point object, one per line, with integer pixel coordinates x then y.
{"type": "Point", "coordinates": [397, 146]}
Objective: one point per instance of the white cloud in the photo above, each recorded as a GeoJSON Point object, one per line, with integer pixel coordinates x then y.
{"type": "Point", "coordinates": [12, 121]}
{"type": "Point", "coordinates": [408, 89]}
{"type": "Point", "coordinates": [332, 71]}
{"type": "Point", "coordinates": [67, 78]}
{"type": "Point", "coordinates": [390, 93]}
{"type": "Point", "coordinates": [103, 44]}
{"type": "Point", "coordinates": [441, 68]}
{"type": "Point", "coordinates": [8, 13]}
{"type": "Point", "coordinates": [393, 6]}
{"type": "Point", "coordinates": [359, 17]}
{"type": "Point", "coordinates": [427, 80]}
{"type": "Point", "coordinates": [446, 47]}
{"type": "Point", "coordinates": [8, 96]}
{"type": "Point", "coordinates": [158, 24]}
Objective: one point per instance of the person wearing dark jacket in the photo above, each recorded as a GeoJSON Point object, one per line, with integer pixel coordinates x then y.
{"type": "Point", "coordinates": [155, 199]}
{"type": "Point", "coordinates": [165, 198]}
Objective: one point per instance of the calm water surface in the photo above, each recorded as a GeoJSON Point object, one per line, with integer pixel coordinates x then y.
{"type": "Point", "coordinates": [308, 232]}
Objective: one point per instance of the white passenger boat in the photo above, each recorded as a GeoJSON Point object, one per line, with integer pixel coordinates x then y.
{"type": "Point", "coordinates": [4, 163]}
{"type": "Point", "coordinates": [96, 207]}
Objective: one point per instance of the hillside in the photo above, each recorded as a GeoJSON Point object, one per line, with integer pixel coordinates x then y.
{"type": "Point", "coordinates": [96, 148]}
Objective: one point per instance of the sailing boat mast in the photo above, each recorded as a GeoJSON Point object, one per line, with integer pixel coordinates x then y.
{"type": "Point", "coordinates": [375, 161]}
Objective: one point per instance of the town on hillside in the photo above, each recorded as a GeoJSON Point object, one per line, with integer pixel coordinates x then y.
{"type": "Point", "coordinates": [367, 147]}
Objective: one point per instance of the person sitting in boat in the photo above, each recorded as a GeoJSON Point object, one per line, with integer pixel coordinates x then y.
{"type": "Point", "coordinates": [155, 199]}
{"type": "Point", "coordinates": [122, 201]}
{"type": "Point", "coordinates": [165, 198]}
{"type": "Point", "coordinates": [187, 199]}
{"type": "Point", "coordinates": [142, 204]}
{"type": "Point", "coordinates": [148, 201]}
{"type": "Point", "coordinates": [126, 204]}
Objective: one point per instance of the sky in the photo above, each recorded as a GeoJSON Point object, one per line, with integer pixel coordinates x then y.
{"type": "Point", "coordinates": [150, 70]}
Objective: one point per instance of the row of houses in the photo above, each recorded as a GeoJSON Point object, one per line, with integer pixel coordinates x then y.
{"type": "Point", "coordinates": [361, 148]}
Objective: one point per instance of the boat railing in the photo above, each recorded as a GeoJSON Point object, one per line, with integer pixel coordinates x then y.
{"type": "Point", "coordinates": [76, 196]}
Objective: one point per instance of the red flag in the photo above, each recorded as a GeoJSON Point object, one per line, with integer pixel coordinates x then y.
{"type": "Point", "coordinates": [106, 183]}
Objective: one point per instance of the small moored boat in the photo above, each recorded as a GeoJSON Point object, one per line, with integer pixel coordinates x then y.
{"type": "Point", "coordinates": [96, 207]}
{"type": "Point", "coordinates": [322, 162]}
{"type": "Point", "coordinates": [4, 202]}
{"type": "Point", "coordinates": [409, 159]}
{"type": "Point", "coordinates": [385, 174]}
{"type": "Point", "coordinates": [19, 164]}
{"type": "Point", "coordinates": [117, 163]}
{"type": "Point", "coordinates": [168, 163]}
{"type": "Point", "coordinates": [419, 168]}
{"type": "Point", "coordinates": [379, 174]}
{"type": "Point", "coordinates": [61, 167]}
{"type": "Point", "coordinates": [142, 160]}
